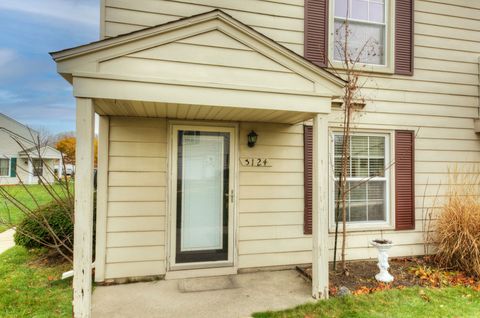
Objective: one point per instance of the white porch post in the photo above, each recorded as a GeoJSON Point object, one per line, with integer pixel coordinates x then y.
{"type": "Point", "coordinates": [30, 171]}
{"type": "Point", "coordinates": [320, 208]}
{"type": "Point", "coordinates": [60, 169]}
{"type": "Point", "coordinates": [82, 247]}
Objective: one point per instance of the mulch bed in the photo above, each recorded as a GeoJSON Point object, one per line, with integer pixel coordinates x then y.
{"type": "Point", "coordinates": [408, 272]}
{"type": "Point", "coordinates": [46, 258]}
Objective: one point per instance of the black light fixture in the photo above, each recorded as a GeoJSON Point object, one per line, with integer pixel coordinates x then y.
{"type": "Point", "coordinates": [252, 139]}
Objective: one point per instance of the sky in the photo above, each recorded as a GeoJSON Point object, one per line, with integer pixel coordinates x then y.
{"type": "Point", "coordinates": [31, 91]}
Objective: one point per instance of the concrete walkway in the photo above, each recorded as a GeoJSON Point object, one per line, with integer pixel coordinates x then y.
{"type": "Point", "coordinates": [6, 240]}
{"type": "Point", "coordinates": [228, 296]}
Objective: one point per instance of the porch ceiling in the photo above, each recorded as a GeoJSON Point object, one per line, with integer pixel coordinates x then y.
{"type": "Point", "coordinates": [131, 108]}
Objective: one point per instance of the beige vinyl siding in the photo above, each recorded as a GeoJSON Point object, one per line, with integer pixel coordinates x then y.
{"type": "Point", "coordinates": [270, 205]}
{"type": "Point", "coordinates": [136, 198]}
{"type": "Point", "coordinates": [439, 102]}
{"type": "Point", "coordinates": [210, 57]}
{"type": "Point", "coordinates": [280, 20]}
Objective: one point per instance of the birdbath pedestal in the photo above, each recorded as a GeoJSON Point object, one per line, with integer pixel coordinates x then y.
{"type": "Point", "coordinates": [383, 246]}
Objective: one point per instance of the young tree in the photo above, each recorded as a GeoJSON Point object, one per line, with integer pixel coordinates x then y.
{"type": "Point", "coordinates": [352, 60]}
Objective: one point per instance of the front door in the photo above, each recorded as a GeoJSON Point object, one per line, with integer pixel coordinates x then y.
{"type": "Point", "coordinates": [204, 194]}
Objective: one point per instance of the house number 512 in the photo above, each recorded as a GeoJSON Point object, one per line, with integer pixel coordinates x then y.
{"type": "Point", "coordinates": [255, 162]}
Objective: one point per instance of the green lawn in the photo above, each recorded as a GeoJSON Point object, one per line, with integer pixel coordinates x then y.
{"type": "Point", "coordinates": [10, 212]}
{"type": "Point", "coordinates": [28, 289]}
{"type": "Point", "coordinates": [406, 303]}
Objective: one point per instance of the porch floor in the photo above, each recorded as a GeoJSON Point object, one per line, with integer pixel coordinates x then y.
{"type": "Point", "coordinates": [229, 296]}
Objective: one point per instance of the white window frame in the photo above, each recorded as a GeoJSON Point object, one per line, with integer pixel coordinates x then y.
{"type": "Point", "coordinates": [388, 224]}
{"type": "Point", "coordinates": [389, 47]}
{"type": "Point", "coordinates": [9, 167]}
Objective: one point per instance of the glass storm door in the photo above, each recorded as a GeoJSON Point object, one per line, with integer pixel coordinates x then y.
{"type": "Point", "coordinates": [203, 187]}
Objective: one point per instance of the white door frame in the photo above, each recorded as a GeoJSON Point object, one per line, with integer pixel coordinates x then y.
{"type": "Point", "coordinates": [174, 127]}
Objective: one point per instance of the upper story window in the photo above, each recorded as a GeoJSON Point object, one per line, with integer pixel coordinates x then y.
{"type": "Point", "coordinates": [367, 25]}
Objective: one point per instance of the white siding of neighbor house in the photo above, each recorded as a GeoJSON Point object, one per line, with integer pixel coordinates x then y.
{"type": "Point", "coordinates": [26, 177]}
{"type": "Point", "coordinates": [10, 132]}
{"type": "Point", "coordinates": [7, 180]}
{"type": "Point", "coordinates": [11, 125]}
{"type": "Point", "coordinates": [8, 146]}
{"type": "Point", "coordinates": [440, 102]}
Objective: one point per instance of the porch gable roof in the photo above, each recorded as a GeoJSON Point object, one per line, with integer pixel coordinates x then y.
{"type": "Point", "coordinates": [205, 55]}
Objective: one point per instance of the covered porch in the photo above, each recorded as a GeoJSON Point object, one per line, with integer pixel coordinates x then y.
{"type": "Point", "coordinates": [86, 109]}
{"type": "Point", "coordinates": [150, 83]}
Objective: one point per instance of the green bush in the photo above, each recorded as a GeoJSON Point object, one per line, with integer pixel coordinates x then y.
{"type": "Point", "coordinates": [35, 227]}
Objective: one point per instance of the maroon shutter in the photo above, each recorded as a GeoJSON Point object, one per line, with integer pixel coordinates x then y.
{"type": "Point", "coordinates": [316, 31]}
{"type": "Point", "coordinates": [308, 178]}
{"type": "Point", "coordinates": [404, 23]}
{"type": "Point", "coordinates": [404, 180]}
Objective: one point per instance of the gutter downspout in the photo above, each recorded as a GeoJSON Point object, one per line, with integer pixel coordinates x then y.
{"type": "Point", "coordinates": [69, 274]}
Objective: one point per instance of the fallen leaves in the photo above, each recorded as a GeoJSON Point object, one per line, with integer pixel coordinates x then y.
{"type": "Point", "coordinates": [476, 287]}
{"type": "Point", "coordinates": [423, 295]}
{"type": "Point", "coordinates": [332, 290]}
{"type": "Point", "coordinates": [362, 290]}
{"type": "Point", "coordinates": [408, 272]}
{"type": "Point", "coordinates": [427, 277]}
{"type": "Point", "coordinates": [432, 277]}
{"type": "Point", "coordinates": [380, 287]}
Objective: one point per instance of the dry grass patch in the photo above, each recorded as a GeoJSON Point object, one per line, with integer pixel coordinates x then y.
{"type": "Point", "coordinates": [457, 230]}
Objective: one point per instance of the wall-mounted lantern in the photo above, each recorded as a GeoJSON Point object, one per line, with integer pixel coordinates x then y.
{"type": "Point", "coordinates": [252, 139]}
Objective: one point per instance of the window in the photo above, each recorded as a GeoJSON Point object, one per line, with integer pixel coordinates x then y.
{"type": "Point", "coordinates": [367, 177]}
{"type": "Point", "coordinates": [4, 167]}
{"type": "Point", "coordinates": [367, 26]}
{"type": "Point", "coordinates": [37, 167]}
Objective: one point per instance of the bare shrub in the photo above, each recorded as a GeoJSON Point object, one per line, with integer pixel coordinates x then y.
{"type": "Point", "coordinates": [38, 226]}
{"type": "Point", "coordinates": [457, 230]}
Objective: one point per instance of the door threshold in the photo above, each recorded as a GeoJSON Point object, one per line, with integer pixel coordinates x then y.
{"type": "Point", "coordinates": [203, 272]}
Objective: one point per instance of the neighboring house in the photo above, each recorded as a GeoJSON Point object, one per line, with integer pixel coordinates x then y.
{"type": "Point", "coordinates": [181, 85]}
{"type": "Point", "coordinates": [20, 159]}
{"type": "Point", "coordinates": [69, 169]}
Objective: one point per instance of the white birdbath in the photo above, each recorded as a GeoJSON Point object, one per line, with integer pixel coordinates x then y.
{"type": "Point", "coordinates": [383, 246]}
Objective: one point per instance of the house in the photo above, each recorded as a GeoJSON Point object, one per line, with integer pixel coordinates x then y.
{"type": "Point", "coordinates": [21, 160]}
{"type": "Point", "coordinates": [220, 128]}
